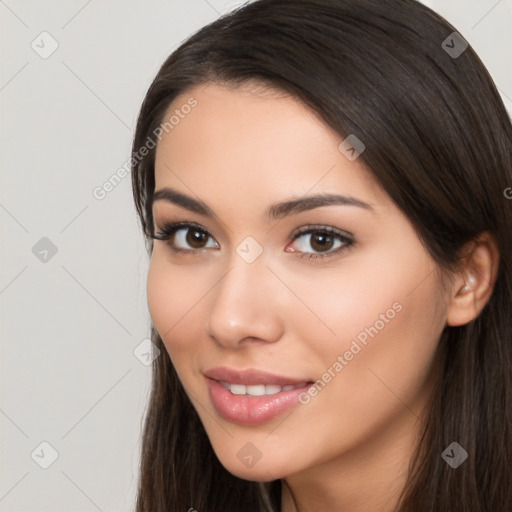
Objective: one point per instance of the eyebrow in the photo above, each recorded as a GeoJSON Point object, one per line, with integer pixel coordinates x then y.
{"type": "Point", "coordinates": [274, 212]}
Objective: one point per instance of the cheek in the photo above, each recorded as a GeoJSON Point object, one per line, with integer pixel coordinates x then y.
{"type": "Point", "coordinates": [385, 315]}
{"type": "Point", "coordinates": [160, 301]}
{"type": "Point", "coordinates": [386, 359]}
{"type": "Point", "coordinates": [340, 303]}
{"type": "Point", "coordinates": [388, 290]}
{"type": "Point", "coordinates": [171, 297]}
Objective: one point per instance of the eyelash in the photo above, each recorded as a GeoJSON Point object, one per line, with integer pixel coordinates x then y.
{"type": "Point", "coordinates": [168, 231]}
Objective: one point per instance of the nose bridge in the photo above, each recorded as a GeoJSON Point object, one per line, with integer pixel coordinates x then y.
{"type": "Point", "coordinates": [242, 305]}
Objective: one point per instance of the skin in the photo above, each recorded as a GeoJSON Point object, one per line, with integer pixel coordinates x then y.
{"type": "Point", "coordinates": [241, 150]}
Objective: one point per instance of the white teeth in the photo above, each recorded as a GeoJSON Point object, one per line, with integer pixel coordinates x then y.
{"type": "Point", "coordinates": [258, 389]}
{"type": "Point", "coordinates": [272, 389]}
{"type": "Point", "coordinates": [238, 389]}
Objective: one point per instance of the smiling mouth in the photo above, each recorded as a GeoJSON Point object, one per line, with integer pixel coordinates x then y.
{"type": "Point", "coordinates": [259, 389]}
{"type": "Point", "coordinates": [251, 396]}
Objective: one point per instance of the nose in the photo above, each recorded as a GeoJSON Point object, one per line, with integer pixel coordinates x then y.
{"type": "Point", "coordinates": [244, 308]}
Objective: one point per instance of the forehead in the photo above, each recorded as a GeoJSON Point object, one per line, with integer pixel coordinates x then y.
{"type": "Point", "coordinates": [253, 142]}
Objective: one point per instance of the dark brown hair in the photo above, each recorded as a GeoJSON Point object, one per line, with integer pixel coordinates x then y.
{"type": "Point", "coordinates": [439, 140]}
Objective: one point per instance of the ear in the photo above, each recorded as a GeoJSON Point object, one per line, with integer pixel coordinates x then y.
{"type": "Point", "coordinates": [473, 284]}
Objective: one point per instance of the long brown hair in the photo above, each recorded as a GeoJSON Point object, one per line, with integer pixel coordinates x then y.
{"type": "Point", "coordinates": [439, 140]}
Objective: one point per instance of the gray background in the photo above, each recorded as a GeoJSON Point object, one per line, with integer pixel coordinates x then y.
{"type": "Point", "coordinates": [72, 320]}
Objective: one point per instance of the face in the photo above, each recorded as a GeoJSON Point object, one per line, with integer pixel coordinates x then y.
{"type": "Point", "coordinates": [338, 299]}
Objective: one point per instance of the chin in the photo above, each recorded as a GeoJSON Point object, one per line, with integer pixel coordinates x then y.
{"type": "Point", "coordinates": [261, 470]}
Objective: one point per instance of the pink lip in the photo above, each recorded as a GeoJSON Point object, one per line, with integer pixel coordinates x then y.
{"type": "Point", "coordinates": [251, 410]}
{"type": "Point", "coordinates": [250, 377]}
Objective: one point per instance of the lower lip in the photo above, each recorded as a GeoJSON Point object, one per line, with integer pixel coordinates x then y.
{"type": "Point", "coordinates": [252, 410]}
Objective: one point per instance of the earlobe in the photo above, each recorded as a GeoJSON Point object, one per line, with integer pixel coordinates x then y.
{"type": "Point", "coordinates": [474, 283]}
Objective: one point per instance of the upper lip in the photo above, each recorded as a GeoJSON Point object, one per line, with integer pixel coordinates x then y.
{"type": "Point", "coordinates": [250, 377]}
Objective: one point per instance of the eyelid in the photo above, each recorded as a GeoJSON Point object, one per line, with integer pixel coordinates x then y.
{"type": "Point", "coordinates": [313, 228]}
{"type": "Point", "coordinates": [169, 229]}
{"type": "Point", "coordinates": [344, 236]}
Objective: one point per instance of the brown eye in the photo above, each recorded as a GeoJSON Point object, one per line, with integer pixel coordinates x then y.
{"type": "Point", "coordinates": [184, 237]}
{"type": "Point", "coordinates": [321, 242]}
{"type": "Point", "coordinates": [190, 238]}
{"type": "Point", "coordinates": [324, 240]}
{"type": "Point", "coordinates": [195, 237]}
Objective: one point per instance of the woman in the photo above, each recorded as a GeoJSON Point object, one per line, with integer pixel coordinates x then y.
{"type": "Point", "coordinates": [321, 184]}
